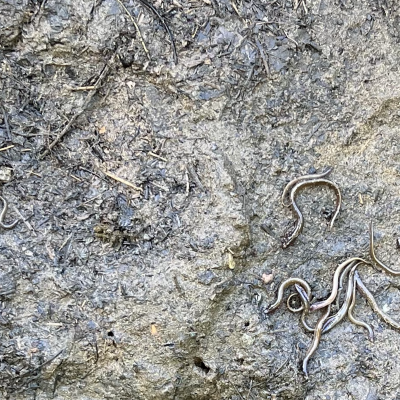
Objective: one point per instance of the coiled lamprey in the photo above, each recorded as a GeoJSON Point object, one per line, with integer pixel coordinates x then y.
{"type": "Point", "coordinates": [293, 188]}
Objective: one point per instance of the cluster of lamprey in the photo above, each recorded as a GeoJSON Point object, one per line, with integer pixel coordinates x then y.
{"type": "Point", "coordinates": [342, 297]}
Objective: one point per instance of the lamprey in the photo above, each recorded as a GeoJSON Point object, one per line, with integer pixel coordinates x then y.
{"type": "Point", "coordinates": [353, 319]}
{"type": "Point", "coordinates": [316, 339]}
{"type": "Point", "coordinates": [3, 214]}
{"type": "Point", "coordinates": [341, 279]}
{"type": "Point", "coordinates": [373, 256]}
{"type": "Point", "coordinates": [332, 296]}
{"type": "Point", "coordinates": [290, 307]}
{"type": "Point", "coordinates": [284, 285]}
{"type": "Point", "coordinates": [345, 277]}
{"type": "Point", "coordinates": [371, 300]}
{"type": "Point", "coordinates": [305, 299]}
{"type": "Point", "coordinates": [304, 307]}
{"type": "Point", "coordinates": [291, 236]}
{"type": "Point", "coordinates": [293, 182]}
{"type": "Point", "coordinates": [335, 319]}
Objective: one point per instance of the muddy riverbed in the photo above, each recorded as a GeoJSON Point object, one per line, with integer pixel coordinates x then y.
{"type": "Point", "coordinates": [144, 149]}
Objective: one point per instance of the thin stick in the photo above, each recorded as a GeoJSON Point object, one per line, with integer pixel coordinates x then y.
{"type": "Point", "coordinates": [136, 27]}
{"type": "Point", "coordinates": [40, 366]}
{"type": "Point", "coordinates": [187, 183]}
{"type": "Point", "coordinates": [150, 153]}
{"type": "Point", "coordinates": [124, 181]}
{"type": "Point", "coordinates": [154, 10]}
{"type": "Point", "coordinates": [160, 187]}
{"type": "Point", "coordinates": [30, 227]}
{"type": "Point", "coordinates": [235, 8]}
{"type": "Point", "coordinates": [93, 198]}
{"type": "Point", "coordinates": [75, 177]}
{"type": "Point", "coordinates": [7, 147]}
{"type": "Point", "coordinates": [195, 177]}
{"type": "Point", "coordinates": [237, 391]}
{"type": "Point", "coordinates": [6, 124]}
{"type": "Point", "coordinates": [265, 62]}
{"type": "Point", "coordinates": [93, 173]}
{"type": "Point", "coordinates": [289, 38]}
{"type": "Point", "coordinates": [76, 89]}
{"type": "Point", "coordinates": [59, 137]}
{"type": "Point", "coordinates": [65, 242]}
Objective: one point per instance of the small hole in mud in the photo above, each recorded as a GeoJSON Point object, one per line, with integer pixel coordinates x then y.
{"type": "Point", "coordinates": [247, 323]}
{"type": "Point", "coordinates": [198, 362]}
{"type": "Point", "coordinates": [111, 334]}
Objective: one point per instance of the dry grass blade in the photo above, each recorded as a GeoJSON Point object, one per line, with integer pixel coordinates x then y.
{"type": "Point", "coordinates": [124, 181]}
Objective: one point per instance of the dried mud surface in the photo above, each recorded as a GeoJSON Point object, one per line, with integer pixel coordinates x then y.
{"type": "Point", "coordinates": [112, 292]}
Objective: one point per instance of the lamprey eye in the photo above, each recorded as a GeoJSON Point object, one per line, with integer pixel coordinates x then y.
{"type": "Point", "coordinates": [286, 239]}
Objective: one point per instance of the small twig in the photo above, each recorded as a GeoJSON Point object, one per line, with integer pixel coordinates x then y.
{"type": "Point", "coordinates": [160, 187]}
{"type": "Point", "coordinates": [136, 27]}
{"type": "Point", "coordinates": [237, 391]}
{"type": "Point", "coordinates": [34, 173]}
{"type": "Point", "coordinates": [273, 21]}
{"type": "Point", "coordinates": [124, 181]}
{"type": "Point", "coordinates": [92, 199]}
{"type": "Point", "coordinates": [59, 137]}
{"type": "Point", "coordinates": [30, 227]}
{"type": "Point", "coordinates": [7, 147]}
{"type": "Point", "coordinates": [154, 10]}
{"type": "Point", "coordinates": [195, 177]}
{"type": "Point", "coordinates": [93, 173]}
{"type": "Point", "coordinates": [250, 388]}
{"type": "Point", "coordinates": [282, 365]}
{"type": "Point", "coordinates": [75, 177]}
{"type": "Point", "coordinates": [7, 292]}
{"type": "Point", "coordinates": [265, 62]}
{"type": "Point", "coordinates": [187, 183]}
{"type": "Point", "coordinates": [78, 88]}
{"type": "Point", "coordinates": [150, 153]}
{"type": "Point", "coordinates": [305, 7]}
{"type": "Point", "coordinates": [40, 366]}
{"type": "Point", "coordinates": [56, 324]}
{"type": "Point", "coordinates": [292, 40]}
{"type": "Point", "coordinates": [235, 8]}
{"type": "Point", "coordinates": [65, 242]}
{"type": "Point", "coordinates": [9, 139]}
{"type": "Point", "coordinates": [249, 76]}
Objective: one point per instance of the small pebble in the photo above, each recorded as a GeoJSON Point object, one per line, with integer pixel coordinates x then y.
{"type": "Point", "coordinates": [267, 278]}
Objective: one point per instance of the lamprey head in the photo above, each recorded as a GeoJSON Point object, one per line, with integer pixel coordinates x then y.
{"type": "Point", "coordinates": [287, 238]}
